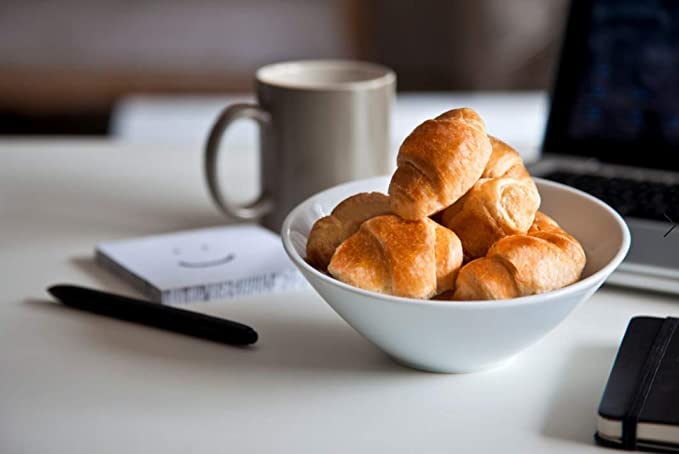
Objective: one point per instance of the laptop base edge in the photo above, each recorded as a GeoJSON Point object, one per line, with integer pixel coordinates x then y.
{"type": "Point", "coordinates": [634, 279]}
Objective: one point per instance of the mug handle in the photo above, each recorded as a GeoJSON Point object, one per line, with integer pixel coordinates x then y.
{"type": "Point", "coordinates": [263, 204]}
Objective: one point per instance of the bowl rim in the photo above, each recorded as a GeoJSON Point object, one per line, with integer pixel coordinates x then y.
{"type": "Point", "coordinates": [581, 285]}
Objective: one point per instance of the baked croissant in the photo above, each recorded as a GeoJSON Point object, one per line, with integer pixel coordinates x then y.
{"type": "Point", "coordinates": [328, 232]}
{"type": "Point", "coordinates": [438, 162]}
{"type": "Point", "coordinates": [544, 259]}
{"type": "Point", "coordinates": [504, 161]}
{"type": "Point", "coordinates": [503, 202]}
{"type": "Point", "coordinates": [415, 259]}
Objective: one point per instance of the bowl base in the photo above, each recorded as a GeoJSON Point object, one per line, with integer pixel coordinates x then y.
{"type": "Point", "coordinates": [453, 370]}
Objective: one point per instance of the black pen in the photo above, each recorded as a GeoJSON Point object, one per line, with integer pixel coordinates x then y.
{"type": "Point", "coordinates": [153, 314]}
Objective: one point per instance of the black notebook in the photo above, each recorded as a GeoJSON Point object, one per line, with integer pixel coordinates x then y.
{"type": "Point", "coordinates": [640, 406]}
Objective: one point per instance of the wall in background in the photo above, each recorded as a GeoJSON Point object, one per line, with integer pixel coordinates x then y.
{"type": "Point", "coordinates": [64, 63]}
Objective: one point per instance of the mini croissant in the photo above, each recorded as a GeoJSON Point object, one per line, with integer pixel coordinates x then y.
{"type": "Point", "coordinates": [504, 162]}
{"type": "Point", "coordinates": [328, 232]}
{"type": "Point", "coordinates": [503, 202]}
{"type": "Point", "coordinates": [438, 163]}
{"type": "Point", "coordinates": [544, 259]}
{"type": "Point", "coordinates": [415, 259]}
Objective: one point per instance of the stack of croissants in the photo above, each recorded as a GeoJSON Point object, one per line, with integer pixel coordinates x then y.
{"type": "Point", "coordinates": [460, 222]}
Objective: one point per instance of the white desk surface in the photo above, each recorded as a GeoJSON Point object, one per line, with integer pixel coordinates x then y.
{"type": "Point", "coordinates": [71, 382]}
{"type": "Point", "coordinates": [517, 117]}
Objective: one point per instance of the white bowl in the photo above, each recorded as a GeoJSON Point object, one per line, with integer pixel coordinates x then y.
{"type": "Point", "coordinates": [463, 336]}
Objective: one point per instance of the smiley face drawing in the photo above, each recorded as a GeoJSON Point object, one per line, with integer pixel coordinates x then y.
{"type": "Point", "coordinates": [201, 257]}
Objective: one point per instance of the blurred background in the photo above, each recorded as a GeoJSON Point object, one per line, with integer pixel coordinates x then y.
{"type": "Point", "coordinates": [75, 67]}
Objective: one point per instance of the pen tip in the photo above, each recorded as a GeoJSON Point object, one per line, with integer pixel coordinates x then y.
{"type": "Point", "coordinates": [254, 336]}
{"type": "Point", "coordinates": [56, 290]}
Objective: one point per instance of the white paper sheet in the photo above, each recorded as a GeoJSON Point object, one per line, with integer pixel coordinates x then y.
{"type": "Point", "coordinates": [204, 264]}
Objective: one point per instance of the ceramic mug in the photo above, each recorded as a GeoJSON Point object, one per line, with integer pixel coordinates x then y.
{"type": "Point", "coordinates": [322, 122]}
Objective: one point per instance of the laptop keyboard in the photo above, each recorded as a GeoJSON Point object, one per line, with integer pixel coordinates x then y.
{"type": "Point", "coordinates": [632, 198]}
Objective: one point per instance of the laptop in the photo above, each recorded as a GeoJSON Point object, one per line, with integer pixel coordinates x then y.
{"type": "Point", "coordinates": [613, 127]}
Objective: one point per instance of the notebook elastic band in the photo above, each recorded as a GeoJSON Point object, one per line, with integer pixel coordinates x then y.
{"type": "Point", "coordinates": [643, 388]}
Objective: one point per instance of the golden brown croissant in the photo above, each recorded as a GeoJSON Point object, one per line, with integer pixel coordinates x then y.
{"type": "Point", "coordinates": [503, 202]}
{"type": "Point", "coordinates": [328, 232]}
{"type": "Point", "coordinates": [388, 254]}
{"type": "Point", "coordinates": [438, 162]}
{"type": "Point", "coordinates": [544, 259]}
{"type": "Point", "coordinates": [504, 161]}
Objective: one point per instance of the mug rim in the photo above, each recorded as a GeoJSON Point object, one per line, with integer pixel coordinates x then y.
{"type": "Point", "coordinates": [377, 75]}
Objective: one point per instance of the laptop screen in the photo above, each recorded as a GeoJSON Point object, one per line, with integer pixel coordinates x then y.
{"type": "Point", "coordinates": [616, 96]}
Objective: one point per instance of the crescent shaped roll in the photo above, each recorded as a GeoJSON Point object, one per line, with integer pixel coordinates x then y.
{"type": "Point", "coordinates": [438, 163]}
{"type": "Point", "coordinates": [415, 259]}
{"type": "Point", "coordinates": [328, 232]}
{"type": "Point", "coordinates": [544, 259]}
{"type": "Point", "coordinates": [503, 202]}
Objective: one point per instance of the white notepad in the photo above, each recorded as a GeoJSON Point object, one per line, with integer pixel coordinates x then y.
{"type": "Point", "coordinates": [202, 265]}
